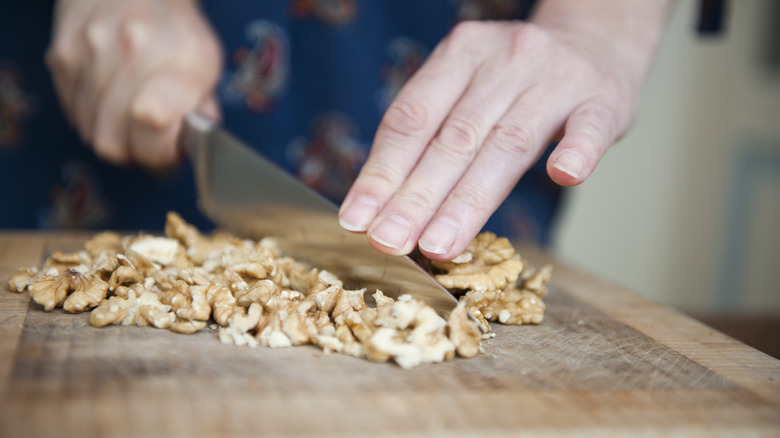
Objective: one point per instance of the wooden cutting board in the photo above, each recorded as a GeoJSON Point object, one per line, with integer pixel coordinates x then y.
{"type": "Point", "coordinates": [604, 362]}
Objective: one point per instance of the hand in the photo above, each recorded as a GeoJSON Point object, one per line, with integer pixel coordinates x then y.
{"type": "Point", "coordinates": [127, 71]}
{"type": "Point", "coordinates": [477, 115]}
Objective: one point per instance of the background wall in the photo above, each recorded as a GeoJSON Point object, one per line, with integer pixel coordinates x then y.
{"type": "Point", "coordinates": [686, 208]}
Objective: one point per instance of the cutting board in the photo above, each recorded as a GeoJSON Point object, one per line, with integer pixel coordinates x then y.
{"type": "Point", "coordinates": [604, 361]}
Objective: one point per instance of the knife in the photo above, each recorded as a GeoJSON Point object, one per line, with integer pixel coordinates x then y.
{"type": "Point", "coordinates": [246, 193]}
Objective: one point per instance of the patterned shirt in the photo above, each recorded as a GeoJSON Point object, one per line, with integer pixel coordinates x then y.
{"type": "Point", "coordinates": [306, 83]}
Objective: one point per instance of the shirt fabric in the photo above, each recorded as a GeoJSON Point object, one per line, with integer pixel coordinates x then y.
{"type": "Point", "coordinates": [306, 83]}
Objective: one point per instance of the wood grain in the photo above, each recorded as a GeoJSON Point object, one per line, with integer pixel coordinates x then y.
{"type": "Point", "coordinates": [604, 362]}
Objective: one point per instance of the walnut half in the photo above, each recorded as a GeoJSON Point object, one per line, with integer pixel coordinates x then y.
{"type": "Point", "coordinates": [70, 289]}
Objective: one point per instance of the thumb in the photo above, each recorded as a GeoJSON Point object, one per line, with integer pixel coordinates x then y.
{"type": "Point", "coordinates": [590, 130]}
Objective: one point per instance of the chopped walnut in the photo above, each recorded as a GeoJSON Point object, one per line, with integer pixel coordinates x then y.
{"type": "Point", "coordinates": [20, 281]}
{"type": "Point", "coordinates": [495, 282]}
{"type": "Point", "coordinates": [139, 308]}
{"type": "Point", "coordinates": [240, 323]}
{"type": "Point", "coordinates": [70, 289]}
{"type": "Point", "coordinates": [465, 335]}
{"type": "Point", "coordinates": [50, 291]}
{"type": "Point", "coordinates": [488, 263]}
{"type": "Point", "coordinates": [104, 243]}
{"type": "Point", "coordinates": [160, 250]}
{"type": "Point", "coordinates": [536, 281]}
{"type": "Point", "coordinates": [254, 296]}
{"type": "Point", "coordinates": [409, 332]}
{"type": "Point", "coordinates": [484, 250]}
{"type": "Point", "coordinates": [124, 275]}
{"type": "Point", "coordinates": [491, 278]}
{"type": "Point", "coordinates": [272, 334]}
{"type": "Point", "coordinates": [177, 228]}
{"type": "Point", "coordinates": [507, 306]}
{"type": "Point", "coordinates": [104, 265]}
{"type": "Point", "coordinates": [188, 327]}
{"type": "Point", "coordinates": [87, 292]}
{"type": "Point", "coordinates": [295, 328]}
{"type": "Point", "coordinates": [59, 262]}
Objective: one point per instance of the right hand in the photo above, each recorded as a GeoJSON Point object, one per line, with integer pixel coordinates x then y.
{"type": "Point", "coordinates": [126, 72]}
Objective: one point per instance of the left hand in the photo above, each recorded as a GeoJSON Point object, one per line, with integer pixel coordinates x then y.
{"type": "Point", "coordinates": [475, 117]}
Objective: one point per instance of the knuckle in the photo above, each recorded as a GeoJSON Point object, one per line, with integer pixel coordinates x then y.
{"type": "Point", "coordinates": [405, 117]}
{"type": "Point", "coordinates": [598, 114]}
{"type": "Point", "coordinates": [514, 139]}
{"type": "Point", "coordinates": [381, 176]}
{"type": "Point", "coordinates": [601, 126]}
{"type": "Point", "coordinates": [465, 31]}
{"type": "Point", "coordinates": [613, 90]}
{"type": "Point", "coordinates": [461, 36]}
{"type": "Point", "coordinates": [527, 38]}
{"type": "Point", "coordinates": [60, 56]}
{"type": "Point", "coordinates": [96, 38]}
{"type": "Point", "coordinates": [135, 35]}
{"type": "Point", "coordinates": [468, 198]}
{"type": "Point", "coordinates": [420, 199]}
{"type": "Point", "coordinates": [459, 138]}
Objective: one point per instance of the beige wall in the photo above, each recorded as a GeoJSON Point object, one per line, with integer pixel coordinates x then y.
{"type": "Point", "coordinates": [686, 208]}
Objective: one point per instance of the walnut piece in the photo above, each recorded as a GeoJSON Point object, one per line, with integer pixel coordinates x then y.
{"type": "Point", "coordinates": [160, 250]}
{"type": "Point", "coordinates": [465, 335]}
{"type": "Point", "coordinates": [186, 281]}
{"type": "Point", "coordinates": [141, 308]}
{"type": "Point", "coordinates": [88, 292]}
{"type": "Point", "coordinates": [23, 278]}
{"type": "Point", "coordinates": [71, 289]}
{"type": "Point", "coordinates": [495, 283]}
{"type": "Point", "coordinates": [104, 243]}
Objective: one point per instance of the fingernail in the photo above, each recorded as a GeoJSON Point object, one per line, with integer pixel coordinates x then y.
{"type": "Point", "coordinates": [570, 163]}
{"type": "Point", "coordinates": [358, 214]}
{"type": "Point", "coordinates": [439, 236]}
{"type": "Point", "coordinates": [392, 232]}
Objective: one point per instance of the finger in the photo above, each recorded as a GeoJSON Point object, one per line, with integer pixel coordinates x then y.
{"type": "Point", "coordinates": [111, 137]}
{"type": "Point", "coordinates": [513, 145]}
{"type": "Point", "coordinates": [406, 128]}
{"type": "Point", "coordinates": [99, 66]}
{"type": "Point", "coordinates": [209, 107]}
{"type": "Point", "coordinates": [64, 56]}
{"type": "Point", "coordinates": [156, 114]}
{"type": "Point", "coordinates": [590, 130]}
{"type": "Point", "coordinates": [399, 224]}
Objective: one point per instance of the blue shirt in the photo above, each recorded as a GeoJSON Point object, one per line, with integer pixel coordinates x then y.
{"type": "Point", "coordinates": [305, 82]}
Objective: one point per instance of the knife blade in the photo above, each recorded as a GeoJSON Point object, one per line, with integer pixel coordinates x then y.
{"type": "Point", "coordinates": [242, 191]}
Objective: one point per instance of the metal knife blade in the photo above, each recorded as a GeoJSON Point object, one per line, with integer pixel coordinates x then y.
{"type": "Point", "coordinates": [241, 190]}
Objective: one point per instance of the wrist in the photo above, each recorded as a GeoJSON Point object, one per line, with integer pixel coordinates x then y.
{"type": "Point", "coordinates": [625, 33]}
